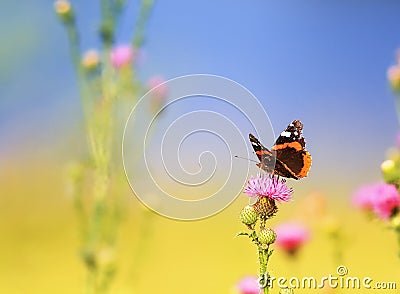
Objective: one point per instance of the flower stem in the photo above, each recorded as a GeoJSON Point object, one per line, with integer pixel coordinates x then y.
{"type": "Point", "coordinates": [74, 45]}
{"type": "Point", "coordinates": [141, 22]}
{"type": "Point", "coordinates": [263, 258]}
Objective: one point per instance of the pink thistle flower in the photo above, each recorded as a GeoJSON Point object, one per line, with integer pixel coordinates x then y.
{"type": "Point", "coordinates": [380, 198]}
{"type": "Point", "coordinates": [156, 83]}
{"type": "Point", "coordinates": [121, 55]}
{"type": "Point", "coordinates": [291, 236]}
{"type": "Point", "coordinates": [385, 201]}
{"type": "Point", "coordinates": [158, 93]}
{"type": "Point", "coordinates": [271, 187]}
{"type": "Point", "coordinates": [248, 285]}
{"type": "Point", "coordinates": [362, 198]}
{"type": "Point", "coordinates": [393, 73]}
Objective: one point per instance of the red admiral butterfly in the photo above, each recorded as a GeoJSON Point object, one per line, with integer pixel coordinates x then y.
{"type": "Point", "coordinates": [288, 157]}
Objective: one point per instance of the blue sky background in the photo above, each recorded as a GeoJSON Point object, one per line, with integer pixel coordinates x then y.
{"type": "Point", "coordinates": [323, 62]}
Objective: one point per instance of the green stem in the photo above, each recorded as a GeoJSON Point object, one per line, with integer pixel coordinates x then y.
{"type": "Point", "coordinates": [263, 258]}
{"type": "Point", "coordinates": [79, 206]}
{"type": "Point", "coordinates": [118, 7]}
{"type": "Point", "coordinates": [75, 54]}
{"type": "Point", "coordinates": [99, 129]}
{"type": "Point", "coordinates": [141, 23]}
{"type": "Point", "coordinates": [261, 261]}
{"type": "Point", "coordinates": [74, 45]}
{"type": "Point", "coordinates": [107, 27]}
{"type": "Point", "coordinates": [266, 290]}
{"type": "Point", "coordinates": [106, 9]}
{"type": "Point", "coordinates": [100, 217]}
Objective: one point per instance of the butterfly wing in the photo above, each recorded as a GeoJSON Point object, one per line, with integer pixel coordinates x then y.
{"type": "Point", "coordinates": [268, 160]}
{"type": "Point", "coordinates": [290, 150]}
{"type": "Point", "coordinates": [266, 157]}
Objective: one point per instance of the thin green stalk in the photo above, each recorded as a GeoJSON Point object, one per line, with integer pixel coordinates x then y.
{"type": "Point", "coordinates": [106, 9]}
{"type": "Point", "coordinates": [144, 14]}
{"type": "Point", "coordinates": [263, 258]}
{"type": "Point", "coordinates": [88, 240]}
{"type": "Point", "coordinates": [101, 217]}
{"type": "Point", "coordinates": [74, 45]}
{"type": "Point", "coordinates": [75, 54]}
{"type": "Point", "coordinates": [107, 27]}
{"type": "Point", "coordinates": [118, 7]}
{"type": "Point", "coordinates": [266, 290]}
{"type": "Point", "coordinates": [78, 183]}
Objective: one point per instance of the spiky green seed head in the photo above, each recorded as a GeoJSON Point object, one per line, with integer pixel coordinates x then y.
{"type": "Point", "coordinates": [267, 236]}
{"type": "Point", "coordinates": [248, 215]}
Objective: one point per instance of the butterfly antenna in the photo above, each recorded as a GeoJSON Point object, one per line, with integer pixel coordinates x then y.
{"type": "Point", "coordinates": [245, 158]}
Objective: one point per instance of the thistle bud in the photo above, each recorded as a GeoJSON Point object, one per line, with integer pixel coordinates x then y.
{"type": "Point", "coordinates": [393, 75]}
{"type": "Point", "coordinates": [107, 31]}
{"type": "Point", "coordinates": [248, 215]}
{"type": "Point", "coordinates": [64, 10]}
{"type": "Point", "coordinates": [267, 236]}
{"type": "Point", "coordinates": [91, 60]}
{"type": "Point", "coordinates": [265, 207]}
{"type": "Point", "coordinates": [395, 221]}
{"type": "Point", "coordinates": [387, 166]}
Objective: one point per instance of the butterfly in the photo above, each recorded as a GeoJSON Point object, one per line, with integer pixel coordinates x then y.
{"type": "Point", "coordinates": [288, 157]}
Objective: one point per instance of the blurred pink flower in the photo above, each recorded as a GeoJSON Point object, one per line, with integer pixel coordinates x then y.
{"type": "Point", "coordinates": [158, 93]}
{"type": "Point", "coordinates": [380, 198]}
{"type": "Point", "coordinates": [157, 84]}
{"type": "Point", "coordinates": [291, 236]}
{"type": "Point", "coordinates": [362, 198]}
{"type": "Point", "coordinates": [271, 187]}
{"type": "Point", "coordinates": [393, 75]}
{"type": "Point", "coordinates": [121, 55]}
{"type": "Point", "coordinates": [385, 200]}
{"type": "Point", "coordinates": [248, 285]}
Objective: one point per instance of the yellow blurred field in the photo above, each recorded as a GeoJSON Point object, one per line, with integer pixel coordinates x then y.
{"type": "Point", "coordinates": [38, 250]}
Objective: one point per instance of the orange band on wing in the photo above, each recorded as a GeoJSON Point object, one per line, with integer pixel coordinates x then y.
{"type": "Point", "coordinates": [295, 145]}
{"type": "Point", "coordinates": [263, 152]}
{"type": "Point", "coordinates": [307, 165]}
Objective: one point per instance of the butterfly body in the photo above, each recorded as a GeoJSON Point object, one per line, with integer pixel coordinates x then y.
{"type": "Point", "coordinates": [288, 157]}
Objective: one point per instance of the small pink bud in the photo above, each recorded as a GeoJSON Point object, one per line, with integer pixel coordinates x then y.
{"type": "Point", "coordinates": [291, 236]}
{"type": "Point", "coordinates": [121, 55]}
{"type": "Point", "coordinates": [248, 285]}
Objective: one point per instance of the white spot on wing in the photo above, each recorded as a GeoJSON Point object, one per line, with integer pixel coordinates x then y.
{"type": "Point", "coordinates": [285, 134]}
